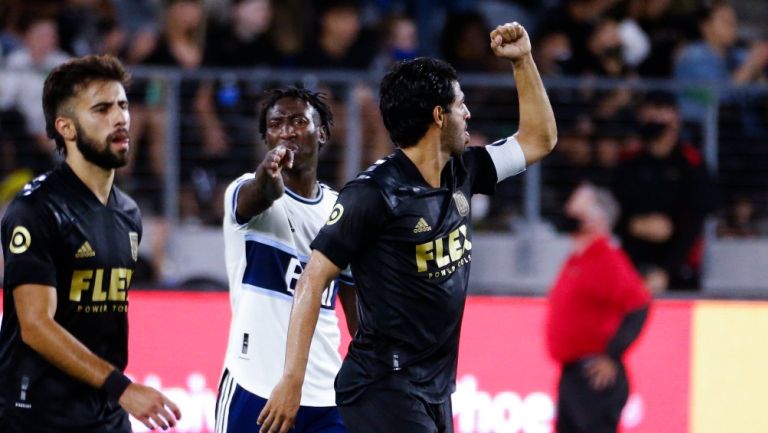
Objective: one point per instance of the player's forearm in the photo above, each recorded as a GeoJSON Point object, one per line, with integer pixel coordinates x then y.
{"type": "Point", "coordinates": [537, 133]}
{"type": "Point", "coordinates": [258, 194]}
{"type": "Point", "coordinates": [306, 309]}
{"type": "Point", "coordinates": [64, 351]}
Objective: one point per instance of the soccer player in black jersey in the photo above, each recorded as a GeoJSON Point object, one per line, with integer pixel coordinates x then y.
{"type": "Point", "coordinates": [403, 225]}
{"type": "Point", "coordinates": [70, 242]}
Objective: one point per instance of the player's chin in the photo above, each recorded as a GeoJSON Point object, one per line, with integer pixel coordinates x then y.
{"type": "Point", "coordinates": [121, 155]}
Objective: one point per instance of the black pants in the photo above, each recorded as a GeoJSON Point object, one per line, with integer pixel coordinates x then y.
{"type": "Point", "coordinates": [582, 409]}
{"type": "Point", "coordinates": [386, 409]}
{"type": "Point", "coordinates": [18, 421]}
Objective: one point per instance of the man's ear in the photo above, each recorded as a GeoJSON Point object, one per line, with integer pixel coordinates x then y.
{"type": "Point", "coordinates": [322, 136]}
{"type": "Point", "coordinates": [438, 115]}
{"type": "Point", "coordinates": [66, 128]}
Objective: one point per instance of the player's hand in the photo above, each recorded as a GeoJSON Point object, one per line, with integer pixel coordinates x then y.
{"type": "Point", "coordinates": [510, 41]}
{"type": "Point", "coordinates": [149, 406]}
{"type": "Point", "coordinates": [657, 280]}
{"type": "Point", "coordinates": [601, 372]}
{"type": "Point", "coordinates": [276, 159]}
{"type": "Point", "coordinates": [279, 414]}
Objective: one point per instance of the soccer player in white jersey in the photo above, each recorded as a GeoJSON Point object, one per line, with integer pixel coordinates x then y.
{"type": "Point", "coordinates": [271, 216]}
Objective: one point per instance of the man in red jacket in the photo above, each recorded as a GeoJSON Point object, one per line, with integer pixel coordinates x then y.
{"type": "Point", "coordinates": [597, 308]}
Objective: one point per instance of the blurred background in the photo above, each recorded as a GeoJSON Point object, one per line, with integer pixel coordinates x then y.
{"type": "Point", "coordinates": [664, 102]}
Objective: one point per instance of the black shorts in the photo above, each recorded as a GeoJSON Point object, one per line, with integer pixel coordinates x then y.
{"type": "Point", "coordinates": [18, 421]}
{"type": "Point", "coordinates": [387, 408]}
{"type": "Point", "coordinates": [582, 409]}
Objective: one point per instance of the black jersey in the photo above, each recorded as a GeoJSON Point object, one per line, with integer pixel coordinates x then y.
{"type": "Point", "coordinates": [57, 233]}
{"type": "Point", "coordinates": [410, 249]}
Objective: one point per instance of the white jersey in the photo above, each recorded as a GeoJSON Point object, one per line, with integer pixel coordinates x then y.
{"type": "Point", "coordinates": [265, 257]}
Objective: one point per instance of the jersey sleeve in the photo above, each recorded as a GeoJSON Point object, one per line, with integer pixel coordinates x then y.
{"type": "Point", "coordinates": [346, 277]}
{"type": "Point", "coordinates": [355, 219]}
{"type": "Point", "coordinates": [230, 200]}
{"type": "Point", "coordinates": [629, 291]}
{"type": "Point", "coordinates": [28, 236]}
{"type": "Point", "coordinates": [482, 172]}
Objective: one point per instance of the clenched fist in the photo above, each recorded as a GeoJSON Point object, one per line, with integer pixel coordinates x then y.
{"type": "Point", "coordinates": [510, 41]}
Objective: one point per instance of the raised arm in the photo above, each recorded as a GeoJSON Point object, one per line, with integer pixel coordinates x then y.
{"type": "Point", "coordinates": [258, 194]}
{"type": "Point", "coordinates": [279, 413]}
{"type": "Point", "coordinates": [36, 306]}
{"type": "Point", "coordinates": [537, 133]}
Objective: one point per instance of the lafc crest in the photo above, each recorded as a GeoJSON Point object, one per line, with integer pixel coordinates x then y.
{"type": "Point", "coordinates": [462, 205]}
{"type": "Point", "coordinates": [134, 238]}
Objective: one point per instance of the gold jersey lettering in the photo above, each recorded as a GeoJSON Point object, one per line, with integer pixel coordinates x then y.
{"type": "Point", "coordinates": [93, 279]}
{"type": "Point", "coordinates": [441, 258]}
{"type": "Point", "coordinates": [443, 251]}
{"type": "Point", "coordinates": [423, 254]}
{"type": "Point", "coordinates": [120, 280]}
{"type": "Point", "coordinates": [83, 280]}
{"type": "Point", "coordinates": [467, 243]}
{"type": "Point", "coordinates": [455, 248]}
{"type": "Point", "coordinates": [99, 295]}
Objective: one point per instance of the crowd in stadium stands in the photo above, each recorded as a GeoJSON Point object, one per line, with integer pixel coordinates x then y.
{"type": "Point", "coordinates": [600, 128]}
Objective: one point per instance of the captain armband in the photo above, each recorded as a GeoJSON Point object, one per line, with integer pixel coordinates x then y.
{"type": "Point", "coordinates": [507, 157]}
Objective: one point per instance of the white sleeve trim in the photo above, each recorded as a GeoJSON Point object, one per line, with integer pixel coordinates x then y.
{"type": "Point", "coordinates": [507, 157]}
{"type": "Point", "coordinates": [230, 199]}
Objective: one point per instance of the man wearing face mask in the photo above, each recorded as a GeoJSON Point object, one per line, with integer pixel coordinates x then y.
{"type": "Point", "coordinates": [597, 308]}
{"type": "Point", "coordinates": [665, 193]}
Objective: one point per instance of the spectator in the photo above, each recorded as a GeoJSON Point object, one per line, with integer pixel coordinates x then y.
{"type": "Point", "coordinates": [597, 308]}
{"type": "Point", "coordinates": [15, 150]}
{"type": "Point", "coordinates": [554, 54]}
{"type": "Point", "coordinates": [666, 30]}
{"type": "Point", "coordinates": [605, 51]}
{"type": "Point", "coordinates": [81, 23]}
{"type": "Point", "coordinates": [292, 23]}
{"type": "Point", "coordinates": [740, 220]}
{"type": "Point", "coordinates": [569, 165]}
{"type": "Point", "coordinates": [10, 39]}
{"type": "Point", "coordinates": [464, 43]}
{"type": "Point", "coordinates": [341, 41]}
{"type": "Point", "coordinates": [717, 58]}
{"type": "Point", "coordinates": [400, 41]}
{"type": "Point", "coordinates": [226, 108]}
{"type": "Point", "coordinates": [181, 39]}
{"type": "Point", "coordinates": [665, 193]}
{"type": "Point", "coordinates": [608, 142]}
{"type": "Point", "coordinates": [139, 19]}
{"type": "Point", "coordinates": [243, 40]}
{"type": "Point", "coordinates": [605, 58]}
{"type": "Point", "coordinates": [22, 88]}
{"type": "Point", "coordinates": [180, 45]}
{"type": "Point", "coordinates": [576, 19]}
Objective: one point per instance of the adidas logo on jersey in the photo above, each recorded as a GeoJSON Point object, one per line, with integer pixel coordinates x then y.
{"type": "Point", "coordinates": [85, 251]}
{"type": "Point", "coordinates": [422, 226]}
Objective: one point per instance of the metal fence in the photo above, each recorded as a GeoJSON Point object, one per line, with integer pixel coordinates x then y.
{"type": "Point", "coordinates": [195, 131]}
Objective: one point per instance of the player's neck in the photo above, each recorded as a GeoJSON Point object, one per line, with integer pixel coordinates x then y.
{"type": "Point", "coordinates": [429, 158]}
{"type": "Point", "coordinates": [303, 183]}
{"type": "Point", "coordinates": [97, 179]}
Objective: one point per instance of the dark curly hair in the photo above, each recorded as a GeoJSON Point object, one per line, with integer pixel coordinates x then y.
{"type": "Point", "coordinates": [315, 99]}
{"type": "Point", "coordinates": [69, 78]}
{"type": "Point", "coordinates": [408, 94]}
